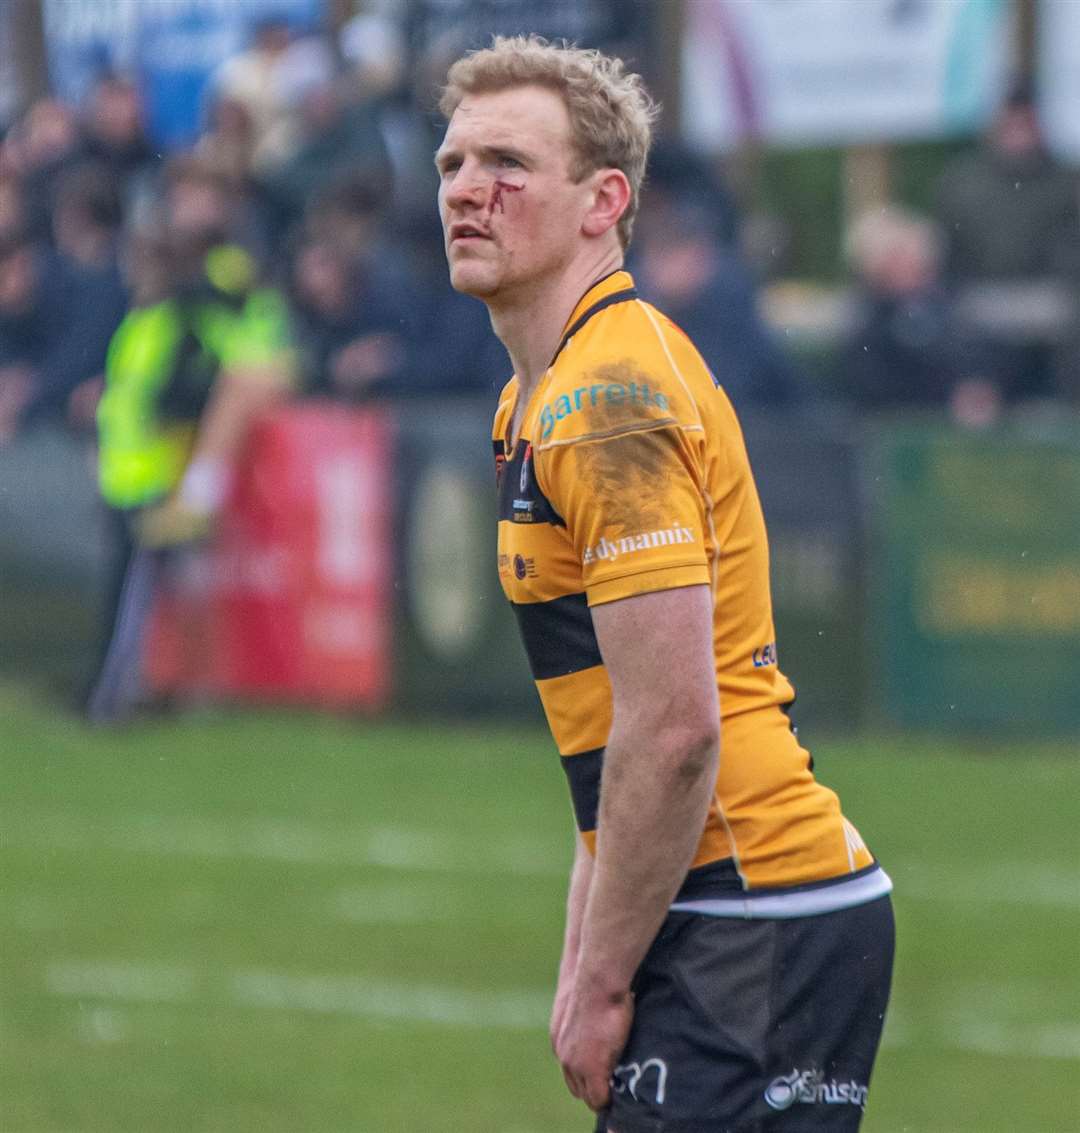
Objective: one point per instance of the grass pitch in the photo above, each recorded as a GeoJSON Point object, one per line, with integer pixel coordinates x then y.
{"type": "Point", "coordinates": [284, 922]}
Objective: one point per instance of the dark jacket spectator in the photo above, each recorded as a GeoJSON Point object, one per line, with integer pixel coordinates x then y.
{"type": "Point", "coordinates": [115, 137]}
{"type": "Point", "coordinates": [87, 221]}
{"type": "Point", "coordinates": [1008, 211]}
{"type": "Point", "coordinates": [682, 265]}
{"type": "Point", "coordinates": [338, 139]}
{"type": "Point", "coordinates": [56, 319]}
{"type": "Point", "coordinates": [906, 348]}
{"type": "Point", "coordinates": [47, 142]}
{"type": "Point", "coordinates": [350, 323]}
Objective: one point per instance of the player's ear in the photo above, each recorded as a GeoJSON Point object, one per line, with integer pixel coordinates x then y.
{"type": "Point", "coordinates": [610, 199]}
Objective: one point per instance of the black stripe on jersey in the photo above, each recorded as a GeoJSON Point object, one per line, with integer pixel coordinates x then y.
{"type": "Point", "coordinates": [520, 497]}
{"type": "Point", "coordinates": [558, 635]}
{"type": "Point", "coordinates": [595, 309]}
{"type": "Point", "coordinates": [714, 879]}
{"type": "Point", "coordinates": [583, 774]}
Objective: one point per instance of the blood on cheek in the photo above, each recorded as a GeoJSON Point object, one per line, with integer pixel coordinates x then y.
{"type": "Point", "coordinates": [495, 199]}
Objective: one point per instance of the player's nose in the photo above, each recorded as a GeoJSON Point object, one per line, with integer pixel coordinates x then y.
{"type": "Point", "coordinates": [468, 186]}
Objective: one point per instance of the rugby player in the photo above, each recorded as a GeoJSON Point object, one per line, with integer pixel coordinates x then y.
{"type": "Point", "coordinates": [729, 936]}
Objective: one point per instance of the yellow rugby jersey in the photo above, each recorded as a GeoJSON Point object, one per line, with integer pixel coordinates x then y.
{"type": "Point", "coordinates": [630, 475]}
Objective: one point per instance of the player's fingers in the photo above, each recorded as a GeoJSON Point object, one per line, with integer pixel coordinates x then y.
{"type": "Point", "coordinates": [597, 1090]}
{"type": "Point", "coordinates": [572, 1082]}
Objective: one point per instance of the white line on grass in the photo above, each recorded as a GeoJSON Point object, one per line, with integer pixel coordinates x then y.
{"type": "Point", "coordinates": [1056, 1041]}
{"type": "Point", "coordinates": [117, 979]}
{"type": "Point", "coordinates": [359, 996]}
{"type": "Point", "coordinates": [295, 843]}
{"type": "Point", "coordinates": [973, 1030]}
{"type": "Point", "coordinates": [1044, 885]}
{"type": "Point", "coordinates": [374, 905]}
{"type": "Point", "coordinates": [379, 999]}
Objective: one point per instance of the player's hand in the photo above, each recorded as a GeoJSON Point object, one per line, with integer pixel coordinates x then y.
{"type": "Point", "coordinates": [594, 1032]}
{"type": "Point", "coordinates": [172, 524]}
{"type": "Point", "coordinates": [558, 1008]}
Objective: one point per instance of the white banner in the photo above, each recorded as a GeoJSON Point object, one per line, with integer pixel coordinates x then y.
{"type": "Point", "coordinates": [1059, 77]}
{"type": "Point", "coordinates": [818, 72]}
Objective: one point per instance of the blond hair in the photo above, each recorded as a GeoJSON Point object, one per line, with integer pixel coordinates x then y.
{"type": "Point", "coordinates": [611, 113]}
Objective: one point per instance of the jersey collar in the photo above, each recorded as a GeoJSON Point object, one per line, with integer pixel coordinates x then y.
{"type": "Point", "coordinates": [618, 287]}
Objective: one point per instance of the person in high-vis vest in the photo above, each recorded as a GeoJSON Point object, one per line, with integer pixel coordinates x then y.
{"type": "Point", "coordinates": [204, 351]}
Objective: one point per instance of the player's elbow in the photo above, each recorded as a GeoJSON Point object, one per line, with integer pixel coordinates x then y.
{"type": "Point", "coordinates": [703, 751]}
{"type": "Point", "coordinates": [690, 747]}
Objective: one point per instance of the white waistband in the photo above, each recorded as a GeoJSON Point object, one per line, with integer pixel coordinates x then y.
{"type": "Point", "coordinates": [843, 894]}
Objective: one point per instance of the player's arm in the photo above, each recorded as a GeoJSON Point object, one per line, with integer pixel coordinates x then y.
{"type": "Point", "coordinates": [659, 775]}
{"type": "Point", "coordinates": [580, 878]}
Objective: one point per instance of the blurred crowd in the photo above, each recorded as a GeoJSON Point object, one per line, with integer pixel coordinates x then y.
{"type": "Point", "coordinates": [315, 159]}
{"type": "Point", "coordinates": [972, 309]}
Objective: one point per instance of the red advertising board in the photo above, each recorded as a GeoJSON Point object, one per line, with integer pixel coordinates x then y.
{"type": "Point", "coordinates": [293, 600]}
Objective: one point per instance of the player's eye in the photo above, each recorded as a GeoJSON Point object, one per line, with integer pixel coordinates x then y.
{"type": "Point", "coordinates": [509, 161]}
{"type": "Point", "coordinates": [449, 165]}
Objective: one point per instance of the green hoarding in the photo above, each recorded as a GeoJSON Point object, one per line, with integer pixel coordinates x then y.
{"type": "Point", "coordinates": [456, 647]}
{"type": "Point", "coordinates": [975, 580]}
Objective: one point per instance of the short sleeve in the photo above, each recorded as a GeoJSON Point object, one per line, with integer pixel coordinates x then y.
{"type": "Point", "coordinates": [629, 492]}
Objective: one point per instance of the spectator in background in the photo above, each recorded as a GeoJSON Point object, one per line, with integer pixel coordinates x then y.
{"type": "Point", "coordinates": [228, 143]}
{"type": "Point", "coordinates": [115, 138]}
{"type": "Point", "coordinates": [23, 328]}
{"type": "Point", "coordinates": [1008, 211]}
{"type": "Point", "coordinates": [338, 137]}
{"type": "Point", "coordinates": [1010, 219]}
{"type": "Point", "coordinates": [252, 80]}
{"type": "Point", "coordinates": [373, 46]}
{"type": "Point", "coordinates": [45, 143]}
{"type": "Point", "coordinates": [350, 326]}
{"type": "Point", "coordinates": [206, 350]}
{"type": "Point", "coordinates": [351, 214]}
{"type": "Point", "coordinates": [87, 221]}
{"type": "Point", "coordinates": [683, 265]}
{"type": "Point", "coordinates": [56, 317]}
{"type": "Point", "coordinates": [906, 348]}
{"type": "Point", "coordinates": [226, 151]}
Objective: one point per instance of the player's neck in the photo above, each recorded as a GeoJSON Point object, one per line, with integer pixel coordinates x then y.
{"type": "Point", "coordinates": [530, 324]}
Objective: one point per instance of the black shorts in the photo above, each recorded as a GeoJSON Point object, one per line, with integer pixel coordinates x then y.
{"type": "Point", "coordinates": [747, 1026]}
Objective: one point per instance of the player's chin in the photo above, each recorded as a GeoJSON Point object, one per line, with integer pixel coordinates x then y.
{"type": "Point", "coordinates": [471, 278]}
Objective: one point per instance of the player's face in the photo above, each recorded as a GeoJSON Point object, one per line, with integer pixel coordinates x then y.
{"type": "Point", "coordinates": [511, 213]}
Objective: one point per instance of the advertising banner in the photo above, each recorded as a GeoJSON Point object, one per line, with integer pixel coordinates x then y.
{"type": "Point", "coordinates": [1059, 76]}
{"type": "Point", "coordinates": [171, 46]}
{"type": "Point", "coordinates": [976, 581]}
{"type": "Point", "coordinates": [821, 72]}
{"type": "Point", "coordinates": [294, 600]}
{"type": "Point", "coordinates": [85, 39]}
